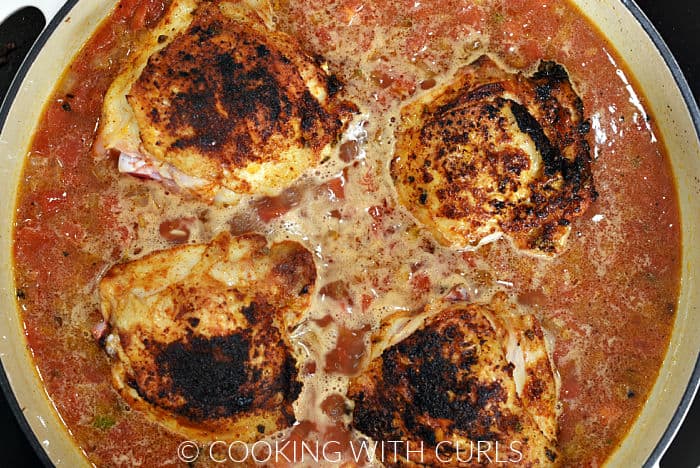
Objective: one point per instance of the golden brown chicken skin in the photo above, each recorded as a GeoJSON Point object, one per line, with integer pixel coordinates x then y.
{"type": "Point", "coordinates": [200, 334]}
{"type": "Point", "coordinates": [494, 153]}
{"type": "Point", "coordinates": [220, 104]}
{"type": "Point", "coordinates": [450, 387]}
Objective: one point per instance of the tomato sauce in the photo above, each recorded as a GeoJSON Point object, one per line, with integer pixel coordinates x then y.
{"type": "Point", "coordinates": [609, 300]}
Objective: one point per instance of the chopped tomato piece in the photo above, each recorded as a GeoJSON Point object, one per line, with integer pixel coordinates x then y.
{"type": "Point", "coordinates": [349, 351]}
{"type": "Point", "coordinates": [334, 188]}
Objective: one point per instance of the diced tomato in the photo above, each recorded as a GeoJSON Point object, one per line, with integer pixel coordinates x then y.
{"type": "Point", "coordinates": [533, 298]}
{"type": "Point", "coordinates": [348, 353]}
{"type": "Point", "coordinates": [334, 188]}
{"type": "Point", "coordinates": [366, 302]}
{"type": "Point", "coordinates": [334, 407]}
{"type": "Point", "coordinates": [421, 283]}
{"type": "Point", "coordinates": [309, 369]}
{"type": "Point", "coordinates": [339, 292]}
{"type": "Point", "coordinates": [324, 321]}
{"type": "Point", "coordinates": [469, 258]}
{"type": "Point", "coordinates": [142, 13]}
{"type": "Point", "coordinates": [269, 208]}
{"type": "Point", "coordinates": [381, 78]}
{"type": "Point", "coordinates": [324, 34]}
{"type": "Point", "coordinates": [147, 13]}
{"type": "Point", "coordinates": [368, 181]}
{"type": "Point", "coordinates": [377, 214]}
{"type": "Point", "coordinates": [349, 151]}
{"type": "Point", "coordinates": [340, 437]}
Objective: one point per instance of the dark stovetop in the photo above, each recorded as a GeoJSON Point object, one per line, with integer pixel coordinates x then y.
{"type": "Point", "coordinates": [679, 24]}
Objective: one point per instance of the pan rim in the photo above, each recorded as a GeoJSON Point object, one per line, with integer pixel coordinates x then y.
{"type": "Point", "coordinates": [7, 102]}
{"type": "Point", "coordinates": [691, 104]}
{"type": "Point", "coordinates": [681, 83]}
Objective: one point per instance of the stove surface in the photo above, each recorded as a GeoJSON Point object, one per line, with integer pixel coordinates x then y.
{"type": "Point", "coordinates": [678, 21]}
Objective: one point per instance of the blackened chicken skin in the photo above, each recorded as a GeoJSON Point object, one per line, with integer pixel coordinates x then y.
{"type": "Point", "coordinates": [200, 334]}
{"type": "Point", "coordinates": [218, 103]}
{"type": "Point", "coordinates": [495, 153]}
{"type": "Point", "coordinates": [469, 373]}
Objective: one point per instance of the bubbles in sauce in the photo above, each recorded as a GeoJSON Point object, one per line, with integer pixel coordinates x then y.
{"type": "Point", "coordinates": [605, 301]}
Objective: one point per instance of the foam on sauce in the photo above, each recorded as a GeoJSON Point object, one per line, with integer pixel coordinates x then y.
{"type": "Point", "coordinates": [608, 301]}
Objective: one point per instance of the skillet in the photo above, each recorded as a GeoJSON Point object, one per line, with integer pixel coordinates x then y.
{"type": "Point", "coordinates": [663, 83]}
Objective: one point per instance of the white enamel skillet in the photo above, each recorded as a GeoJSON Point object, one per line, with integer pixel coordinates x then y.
{"type": "Point", "coordinates": [624, 24]}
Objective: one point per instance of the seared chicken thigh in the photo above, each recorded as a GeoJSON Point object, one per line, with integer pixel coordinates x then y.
{"type": "Point", "coordinates": [200, 334]}
{"type": "Point", "coordinates": [215, 101]}
{"type": "Point", "coordinates": [493, 153]}
{"type": "Point", "coordinates": [461, 377]}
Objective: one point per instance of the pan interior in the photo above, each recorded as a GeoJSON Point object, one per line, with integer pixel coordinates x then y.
{"type": "Point", "coordinates": [674, 119]}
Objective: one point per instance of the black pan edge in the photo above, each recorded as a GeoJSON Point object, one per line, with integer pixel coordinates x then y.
{"type": "Point", "coordinates": [4, 111]}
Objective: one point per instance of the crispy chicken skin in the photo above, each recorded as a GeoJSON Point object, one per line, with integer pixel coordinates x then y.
{"type": "Point", "coordinates": [464, 375]}
{"type": "Point", "coordinates": [493, 153]}
{"type": "Point", "coordinates": [200, 334]}
{"type": "Point", "coordinates": [218, 103]}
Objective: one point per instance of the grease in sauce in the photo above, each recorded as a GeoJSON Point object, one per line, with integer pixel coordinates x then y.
{"type": "Point", "coordinates": [609, 300]}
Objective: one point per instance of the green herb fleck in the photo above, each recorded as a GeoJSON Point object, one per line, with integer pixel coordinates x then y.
{"type": "Point", "coordinates": [104, 421]}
